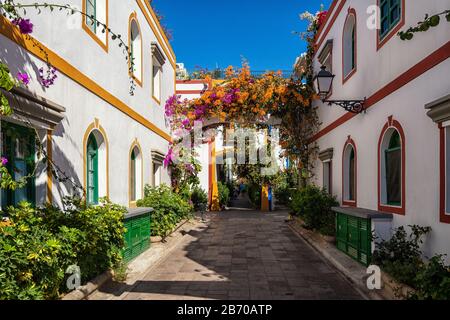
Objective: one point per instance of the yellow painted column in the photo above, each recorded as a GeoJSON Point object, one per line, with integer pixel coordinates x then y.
{"type": "Point", "coordinates": [265, 198]}
{"type": "Point", "coordinates": [215, 205]}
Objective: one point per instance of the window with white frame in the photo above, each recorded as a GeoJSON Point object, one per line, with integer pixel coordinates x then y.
{"type": "Point", "coordinates": [136, 50]}
{"type": "Point", "coordinates": [156, 87]}
{"type": "Point", "coordinates": [96, 11]}
{"type": "Point", "coordinates": [326, 156]}
{"type": "Point", "coordinates": [349, 45]}
{"type": "Point", "coordinates": [158, 61]}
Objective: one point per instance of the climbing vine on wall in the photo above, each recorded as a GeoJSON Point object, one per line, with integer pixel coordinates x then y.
{"type": "Point", "coordinates": [425, 25]}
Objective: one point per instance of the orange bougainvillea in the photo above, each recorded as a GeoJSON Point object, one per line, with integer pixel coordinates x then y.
{"type": "Point", "coordinates": [240, 98]}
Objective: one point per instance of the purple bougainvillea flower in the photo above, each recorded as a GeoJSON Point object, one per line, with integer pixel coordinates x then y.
{"type": "Point", "coordinates": [23, 77]}
{"type": "Point", "coordinates": [186, 123]}
{"type": "Point", "coordinates": [169, 158]}
{"type": "Point", "coordinates": [4, 161]}
{"type": "Point", "coordinates": [25, 25]}
{"type": "Point", "coordinates": [189, 168]}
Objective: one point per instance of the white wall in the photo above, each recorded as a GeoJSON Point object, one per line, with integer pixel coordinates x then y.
{"type": "Point", "coordinates": [374, 70]}
{"type": "Point", "coordinates": [110, 71]}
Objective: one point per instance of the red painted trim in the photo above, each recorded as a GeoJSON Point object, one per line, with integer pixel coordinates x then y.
{"type": "Point", "coordinates": [351, 203]}
{"type": "Point", "coordinates": [401, 23]}
{"type": "Point", "coordinates": [190, 91]}
{"type": "Point", "coordinates": [383, 207]}
{"type": "Point", "coordinates": [443, 216]}
{"type": "Point", "coordinates": [417, 70]}
{"type": "Point", "coordinates": [351, 11]}
{"type": "Point", "coordinates": [330, 24]}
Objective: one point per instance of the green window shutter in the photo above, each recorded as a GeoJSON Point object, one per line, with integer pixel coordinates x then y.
{"type": "Point", "coordinates": [391, 12]}
{"type": "Point", "coordinates": [133, 176]}
{"type": "Point", "coordinates": [18, 144]}
{"type": "Point", "coordinates": [393, 160]}
{"type": "Point", "coordinates": [92, 171]}
{"type": "Point", "coordinates": [91, 11]}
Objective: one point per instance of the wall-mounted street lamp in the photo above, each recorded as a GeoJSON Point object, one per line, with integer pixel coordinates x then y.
{"type": "Point", "coordinates": [323, 82]}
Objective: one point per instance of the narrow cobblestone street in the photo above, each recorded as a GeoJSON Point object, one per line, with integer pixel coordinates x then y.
{"type": "Point", "coordinates": [242, 255]}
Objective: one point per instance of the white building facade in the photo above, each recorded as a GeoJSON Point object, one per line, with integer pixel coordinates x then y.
{"type": "Point", "coordinates": [394, 157]}
{"type": "Point", "coordinates": [101, 137]}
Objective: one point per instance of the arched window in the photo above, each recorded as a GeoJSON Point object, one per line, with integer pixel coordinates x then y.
{"type": "Point", "coordinates": [349, 172]}
{"type": "Point", "coordinates": [135, 49]}
{"type": "Point", "coordinates": [92, 170]}
{"type": "Point", "coordinates": [392, 168]}
{"type": "Point", "coordinates": [349, 45]}
{"type": "Point", "coordinates": [135, 174]}
{"type": "Point", "coordinates": [96, 167]}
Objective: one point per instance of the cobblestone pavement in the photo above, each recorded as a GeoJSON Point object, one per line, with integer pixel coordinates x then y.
{"type": "Point", "coordinates": [243, 255]}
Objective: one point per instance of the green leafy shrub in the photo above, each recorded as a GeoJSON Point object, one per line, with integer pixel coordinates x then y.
{"type": "Point", "coordinates": [199, 199]}
{"type": "Point", "coordinates": [38, 245]}
{"type": "Point", "coordinates": [224, 194]}
{"type": "Point", "coordinates": [432, 281]}
{"type": "Point", "coordinates": [254, 194]}
{"type": "Point", "coordinates": [401, 256]}
{"type": "Point", "coordinates": [169, 209]}
{"type": "Point", "coordinates": [313, 205]}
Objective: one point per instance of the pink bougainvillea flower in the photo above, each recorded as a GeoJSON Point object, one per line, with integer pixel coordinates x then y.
{"type": "Point", "coordinates": [321, 17]}
{"type": "Point", "coordinates": [169, 158]}
{"type": "Point", "coordinates": [3, 161]}
{"type": "Point", "coordinates": [47, 78]}
{"type": "Point", "coordinates": [25, 25]}
{"type": "Point", "coordinates": [23, 77]}
{"type": "Point", "coordinates": [186, 123]}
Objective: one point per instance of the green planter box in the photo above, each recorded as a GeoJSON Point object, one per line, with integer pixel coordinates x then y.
{"type": "Point", "coordinates": [355, 228]}
{"type": "Point", "coordinates": [137, 234]}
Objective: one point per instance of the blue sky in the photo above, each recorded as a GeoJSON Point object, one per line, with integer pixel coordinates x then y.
{"type": "Point", "coordinates": [210, 32]}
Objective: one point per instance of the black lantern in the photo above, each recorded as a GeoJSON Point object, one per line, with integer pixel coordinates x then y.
{"type": "Point", "coordinates": [323, 81]}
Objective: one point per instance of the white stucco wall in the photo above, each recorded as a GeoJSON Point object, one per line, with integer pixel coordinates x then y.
{"type": "Point", "coordinates": [110, 71]}
{"type": "Point", "coordinates": [375, 69]}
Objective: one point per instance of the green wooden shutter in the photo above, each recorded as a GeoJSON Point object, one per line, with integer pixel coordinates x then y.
{"type": "Point", "coordinates": [393, 160]}
{"type": "Point", "coordinates": [18, 144]}
{"type": "Point", "coordinates": [391, 12]}
{"type": "Point", "coordinates": [91, 11]}
{"type": "Point", "coordinates": [92, 171]}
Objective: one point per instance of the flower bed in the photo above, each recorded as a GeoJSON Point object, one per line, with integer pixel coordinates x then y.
{"type": "Point", "coordinates": [39, 246]}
